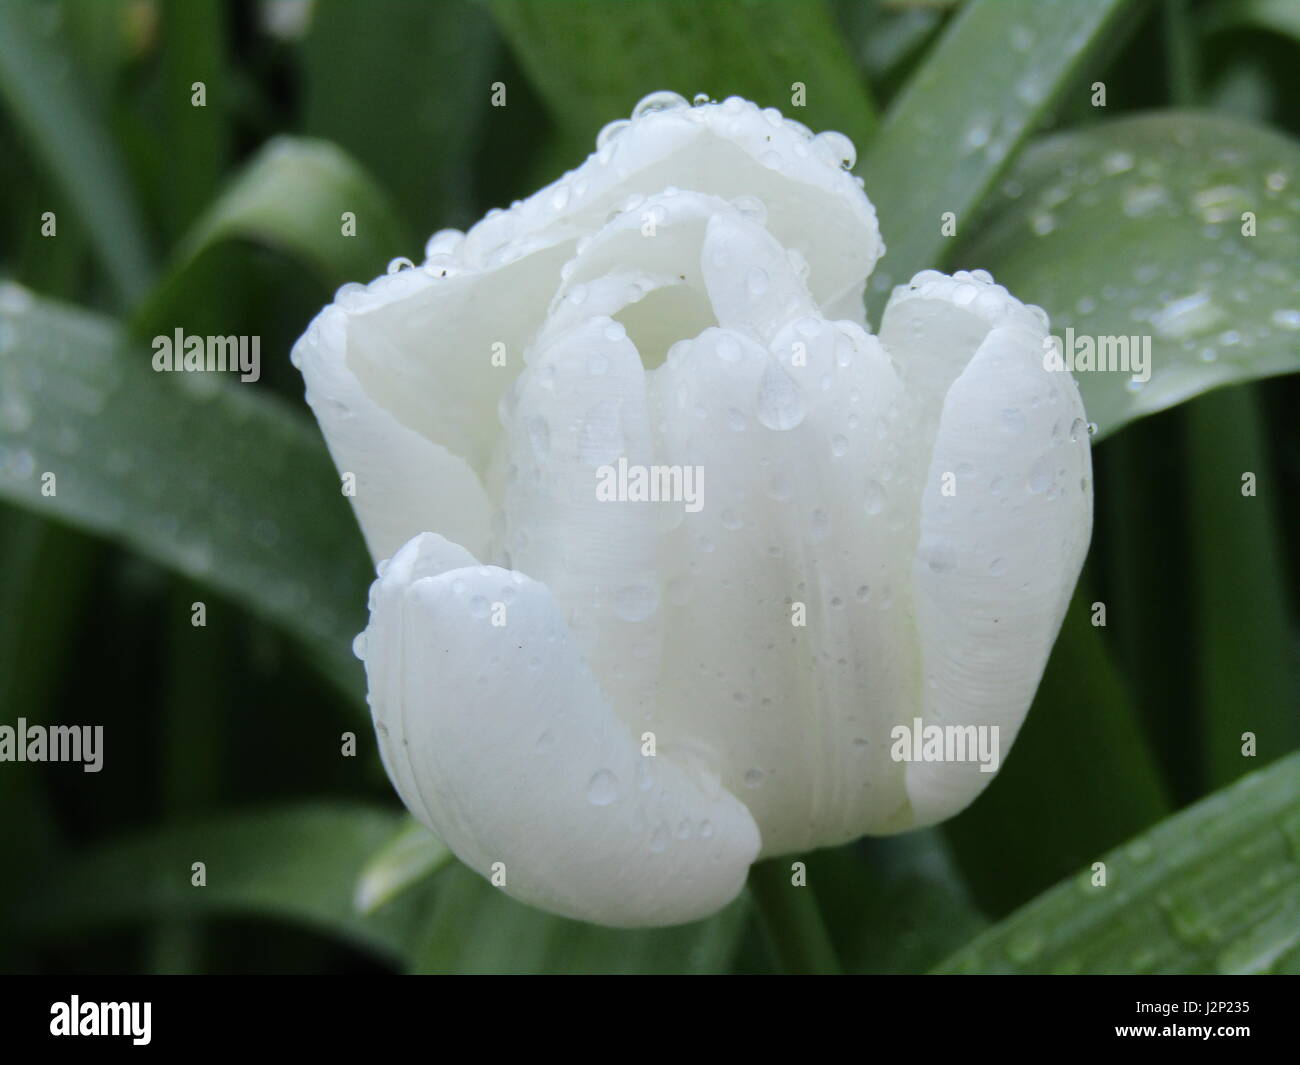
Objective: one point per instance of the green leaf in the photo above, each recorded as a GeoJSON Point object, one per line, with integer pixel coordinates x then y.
{"type": "Point", "coordinates": [1134, 228]}
{"type": "Point", "coordinates": [477, 928]}
{"type": "Point", "coordinates": [432, 63]}
{"type": "Point", "coordinates": [206, 477]}
{"type": "Point", "coordinates": [1079, 779]}
{"type": "Point", "coordinates": [194, 139]}
{"type": "Point", "coordinates": [1278, 16]}
{"type": "Point", "coordinates": [1142, 566]}
{"type": "Point", "coordinates": [297, 863]}
{"type": "Point", "coordinates": [986, 85]}
{"type": "Point", "coordinates": [39, 85]}
{"type": "Point", "coordinates": [893, 905]}
{"type": "Point", "coordinates": [1215, 888]}
{"type": "Point", "coordinates": [291, 197]}
{"type": "Point", "coordinates": [593, 60]}
{"type": "Point", "coordinates": [44, 586]}
{"type": "Point", "coordinates": [1245, 674]}
{"type": "Point", "coordinates": [413, 854]}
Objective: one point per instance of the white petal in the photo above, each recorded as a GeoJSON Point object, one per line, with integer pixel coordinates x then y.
{"type": "Point", "coordinates": [932, 326]}
{"type": "Point", "coordinates": [728, 150]}
{"type": "Point", "coordinates": [403, 482]}
{"type": "Point", "coordinates": [751, 283]}
{"type": "Point", "coordinates": [416, 348]}
{"type": "Point", "coordinates": [499, 740]}
{"type": "Point", "coordinates": [643, 268]}
{"type": "Point", "coordinates": [581, 408]}
{"type": "Point", "coordinates": [799, 508]}
{"type": "Point", "coordinates": [997, 561]}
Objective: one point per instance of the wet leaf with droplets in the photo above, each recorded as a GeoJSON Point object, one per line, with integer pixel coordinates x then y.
{"type": "Point", "coordinates": [1147, 241]}
{"type": "Point", "coordinates": [978, 93]}
{"type": "Point", "coordinates": [1211, 889]}
{"type": "Point", "coordinates": [220, 483]}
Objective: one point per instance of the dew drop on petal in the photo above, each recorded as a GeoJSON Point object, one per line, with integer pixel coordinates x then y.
{"type": "Point", "coordinates": [838, 147]}
{"type": "Point", "coordinates": [602, 788]}
{"type": "Point", "coordinates": [874, 497]}
{"type": "Point", "coordinates": [637, 601]}
{"type": "Point", "coordinates": [658, 101]}
{"type": "Point", "coordinates": [780, 400]}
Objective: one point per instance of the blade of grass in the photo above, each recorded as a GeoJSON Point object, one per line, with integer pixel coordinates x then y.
{"type": "Point", "coordinates": [434, 63]}
{"type": "Point", "coordinates": [987, 84]}
{"type": "Point", "coordinates": [1244, 664]}
{"type": "Point", "coordinates": [291, 196]}
{"type": "Point", "coordinates": [1215, 888]}
{"type": "Point", "coordinates": [298, 863]}
{"type": "Point", "coordinates": [39, 85]}
{"type": "Point", "coordinates": [756, 50]}
{"type": "Point", "coordinates": [211, 479]}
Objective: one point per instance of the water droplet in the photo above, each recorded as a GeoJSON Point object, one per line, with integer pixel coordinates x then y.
{"type": "Point", "coordinates": [658, 101]}
{"type": "Point", "coordinates": [874, 498]}
{"type": "Point", "coordinates": [756, 281]}
{"type": "Point", "coordinates": [443, 242]}
{"type": "Point", "coordinates": [978, 134]}
{"type": "Point", "coordinates": [15, 413]}
{"type": "Point", "coordinates": [753, 778]}
{"type": "Point", "coordinates": [941, 559]}
{"type": "Point", "coordinates": [400, 263]}
{"type": "Point", "coordinates": [601, 440]}
{"type": "Point", "coordinates": [602, 789]}
{"type": "Point", "coordinates": [751, 207]}
{"type": "Point", "coordinates": [1117, 162]}
{"type": "Point", "coordinates": [1139, 851]}
{"type": "Point", "coordinates": [1013, 421]}
{"type": "Point", "coordinates": [359, 645]}
{"type": "Point", "coordinates": [839, 445]}
{"type": "Point", "coordinates": [779, 488]}
{"type": "Point", "coordinates": [837, 147]}
{"type": "Point", "coordinates": [637, 601]}
{"type": "Point", "coordinates": [1024, 947]}
{"type": "Point", "coordinates": [998, 567]}
{"type": "Point", "coordinates": [1286, 317]}
{"type": "Point", "coordinates": [609, 133]}
{"type": "Point", "coordinates": [819, 526]}
{"type": "Point", "coordinates": [780, 401]}
{"type": "Point", "coordinates": [539, 433]}
{"type": "Point", "coordinates": [1040, 477]}
{"type": "Point", "coordinates": [1078, 430]}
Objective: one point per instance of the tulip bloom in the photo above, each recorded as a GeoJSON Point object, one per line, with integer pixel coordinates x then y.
{"type": "Point", "coordinates": [614, 700]}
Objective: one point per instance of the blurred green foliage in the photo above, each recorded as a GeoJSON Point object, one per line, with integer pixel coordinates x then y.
{"type": "Point", "coordinates": [222, 218]}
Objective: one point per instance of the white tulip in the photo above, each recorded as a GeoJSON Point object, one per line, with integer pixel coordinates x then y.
{"type": "Point", "coordinates": [612, 708]}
